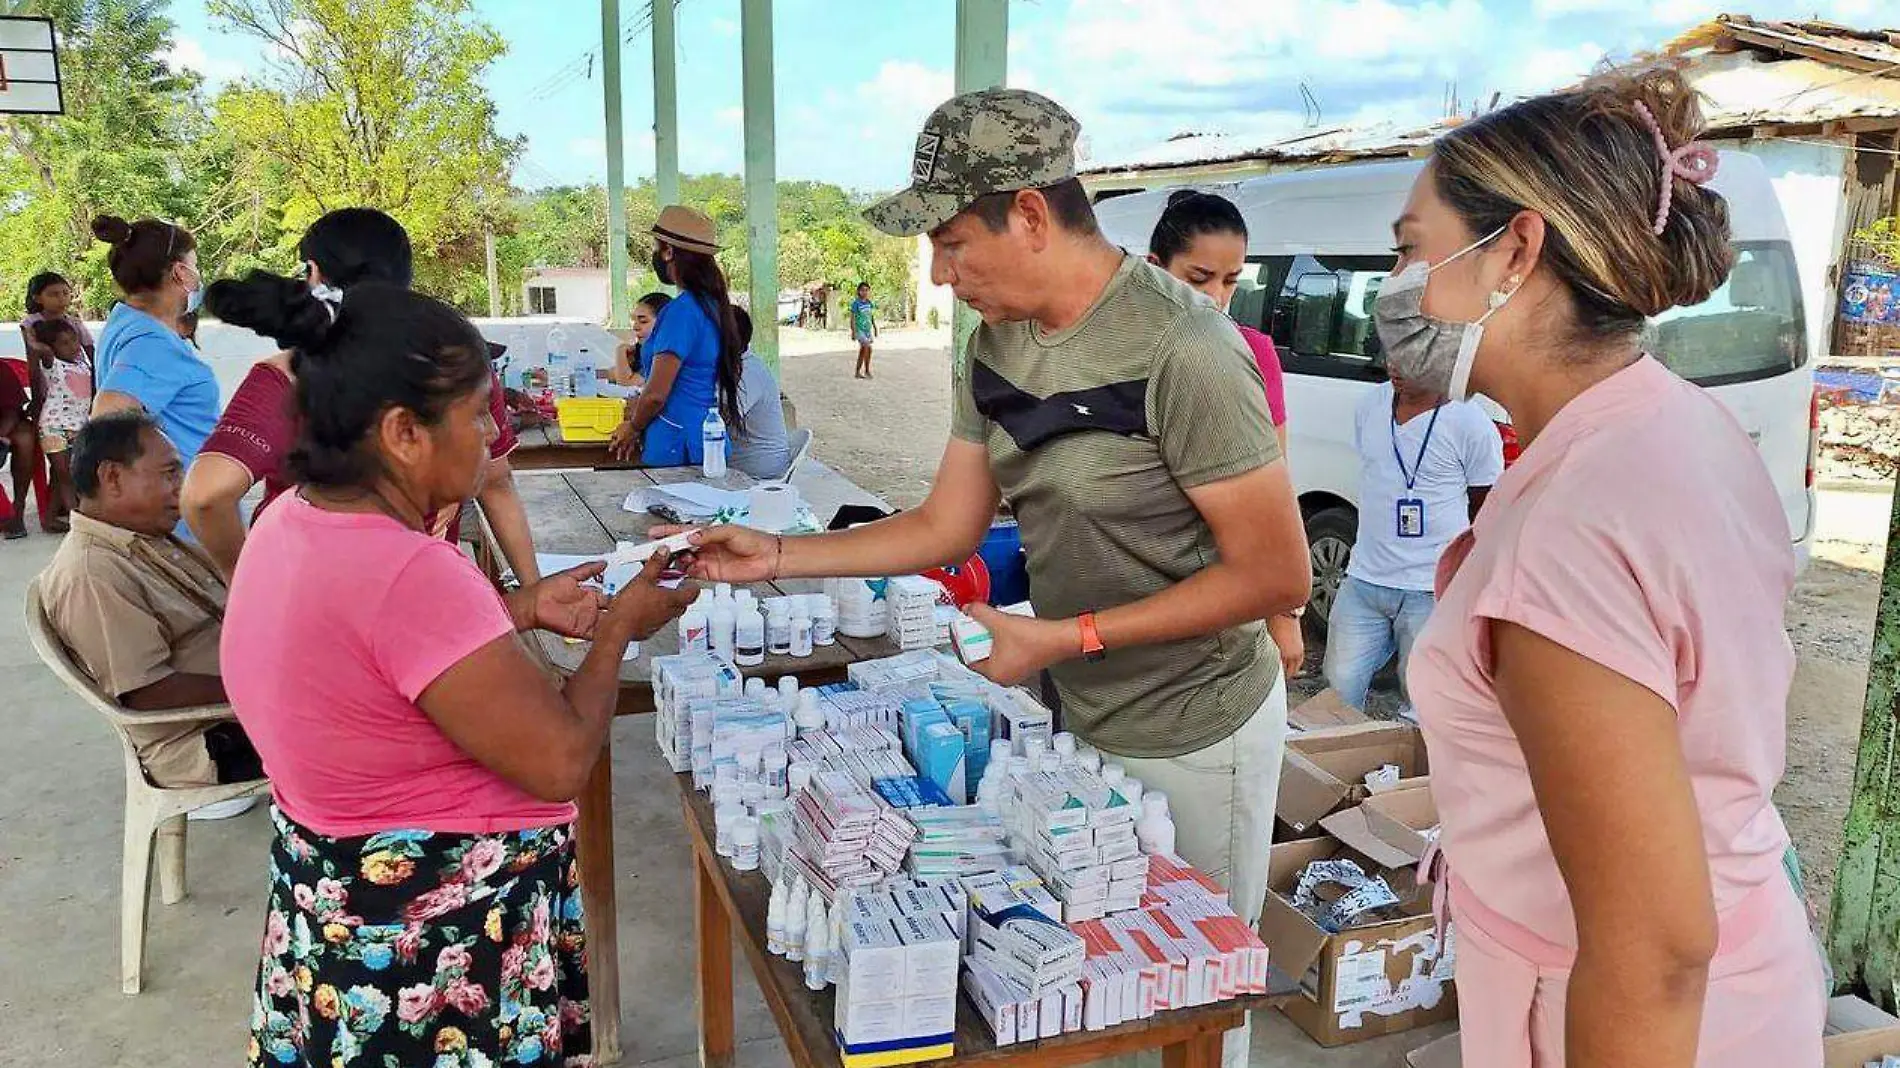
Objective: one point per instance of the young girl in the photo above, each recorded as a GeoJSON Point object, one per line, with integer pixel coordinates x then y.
{"type": "Point", "coordinates": [49, 297]}
{"type": "Point", "coordinates": [18, 448]}
{"type": "Point", "coordinates": [64, 407]}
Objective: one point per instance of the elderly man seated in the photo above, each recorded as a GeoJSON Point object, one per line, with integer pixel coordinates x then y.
{"type": "Point", "coordinates": [142, 611]}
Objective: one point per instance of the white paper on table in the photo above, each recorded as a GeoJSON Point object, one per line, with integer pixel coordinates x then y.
{"type": "Point", "coordinates": [688, 498]}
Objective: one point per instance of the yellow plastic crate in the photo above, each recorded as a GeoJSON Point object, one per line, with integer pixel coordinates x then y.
{"type": "Point", "coordinates": [589, 418]}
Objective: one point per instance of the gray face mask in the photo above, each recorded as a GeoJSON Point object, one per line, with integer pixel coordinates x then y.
{"type": "Point", "coordinates": [1434, 354]}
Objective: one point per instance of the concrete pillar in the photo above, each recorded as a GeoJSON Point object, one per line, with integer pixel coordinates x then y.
{"type": "Point", "coordinates": [620, 300]}
{"type": "Point", "coordinates": [982, 63]}
{"type": "Point", "coordinates": [666, 111]}
{"type": "Point", "coordinates": [761, 173]}
{"type": "Point", "coordinates": [1863, 932]}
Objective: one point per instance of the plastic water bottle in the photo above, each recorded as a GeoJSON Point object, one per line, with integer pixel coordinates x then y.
{"type": "Point", "coordinates": [712, 438]}
{"type": "Point", "coordinates": [586, 378]}
{"type": "Point", "coordinates": [559, 380]}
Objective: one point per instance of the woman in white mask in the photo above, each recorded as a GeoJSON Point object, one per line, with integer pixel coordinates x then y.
{"type": "Point", "coordinates": [1603, 684]}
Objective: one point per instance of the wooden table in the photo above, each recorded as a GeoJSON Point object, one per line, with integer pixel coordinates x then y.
{"type": "Point", "coordinates": [728, 902]}
{"type": "Point", "coordinates": [580, 513]}
{"type": "Point", "coordinates": [542, 448]}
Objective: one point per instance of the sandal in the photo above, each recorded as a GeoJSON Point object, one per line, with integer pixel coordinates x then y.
{"type": "Point", "coordinates": [14, 531]}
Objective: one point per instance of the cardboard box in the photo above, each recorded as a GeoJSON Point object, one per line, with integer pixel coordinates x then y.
{"type": "Point", "coordinates": [1363, 982]}
{"type": "Point", "coordinates": [1854, 1049]}
{"type": "Point", "coordinates": [1325, 709]}
{"type": "Point", "coordinates": [1393, 828]}
{"type": "Point", "coordinates": [1325, 770]}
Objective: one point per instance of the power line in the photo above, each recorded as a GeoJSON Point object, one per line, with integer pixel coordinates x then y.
{"type": "Point", "coordinates": [581, 67]}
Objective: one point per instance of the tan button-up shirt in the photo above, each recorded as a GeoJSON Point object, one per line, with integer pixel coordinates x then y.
{"type": "Point", "coordinates": [134, 609]}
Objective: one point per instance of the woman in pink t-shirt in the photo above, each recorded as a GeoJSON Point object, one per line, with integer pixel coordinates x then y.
{"type": "Point", "coordinates": [1201, 239]}
{"type": "Point", "coordinates": [1603, 686]}
{"type": "Point", "coordinates": [423, 892]}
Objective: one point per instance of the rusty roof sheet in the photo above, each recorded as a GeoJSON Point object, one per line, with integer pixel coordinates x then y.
{"type": "Point", "coordinates": [1320, 145]}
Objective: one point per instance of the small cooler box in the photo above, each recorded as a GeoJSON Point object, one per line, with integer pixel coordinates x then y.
{"type": "Point", "coordinates": [589, 418]}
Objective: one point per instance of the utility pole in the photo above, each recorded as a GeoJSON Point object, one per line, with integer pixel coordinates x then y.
{"type": "Point", "coordinates": [621, 303]}
{"type": "Point", "coordinates": [761, 173]}
{"type": "Point", "coordinates": [494, 276]}
{"type": "Point", "coordinates": [982, 63]}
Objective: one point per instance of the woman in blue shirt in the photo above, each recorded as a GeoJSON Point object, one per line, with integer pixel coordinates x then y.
{"type": "Point", "coordinates": [143, 362]}
{"type": "Point", "coordinates": [697, 357]}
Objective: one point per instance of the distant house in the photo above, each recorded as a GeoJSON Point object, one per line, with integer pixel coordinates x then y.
{"type": "Point", "coordinates": [1818, 103]}
{"type": "Point", "coordinates": [570, 293]}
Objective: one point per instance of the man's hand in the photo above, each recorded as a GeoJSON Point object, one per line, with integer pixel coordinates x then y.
{"type": "Point", "coordinates": [624, 443]}
{"type": "Point", "coordinates": [1020, 646]}
{"type": "Point", "coordinates": [728, 553]}
{"type": "Point", "coordinates": [1290, 638]}
{"type": "Point", "coordinates": [645, 606]}
{"type": "Point", "coordinates": [560, 603]}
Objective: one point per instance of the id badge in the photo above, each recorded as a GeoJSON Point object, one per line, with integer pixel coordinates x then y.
{"type": "Point", "coordinates": [1411, 517]}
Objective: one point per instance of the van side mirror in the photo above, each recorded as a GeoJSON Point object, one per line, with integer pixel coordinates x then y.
{"type": "Point", "coordinates": [1315, 312]}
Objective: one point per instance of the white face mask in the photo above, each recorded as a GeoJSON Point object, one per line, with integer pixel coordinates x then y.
{"type": "Point", "coordinates": [1434, 354]}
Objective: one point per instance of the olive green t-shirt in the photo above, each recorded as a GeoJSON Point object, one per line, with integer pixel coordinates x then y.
{"type": "Point", "coordinates": [1095, 435]}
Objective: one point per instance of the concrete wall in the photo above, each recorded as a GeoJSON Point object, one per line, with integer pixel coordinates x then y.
{"type": "Point", "coordinates": [1808, 181]}
{"type": "Point", "coordinates": [581, 296]}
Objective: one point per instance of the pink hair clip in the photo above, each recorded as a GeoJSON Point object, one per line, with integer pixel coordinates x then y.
{"type": "Point", "coordinates": [1694, 162]}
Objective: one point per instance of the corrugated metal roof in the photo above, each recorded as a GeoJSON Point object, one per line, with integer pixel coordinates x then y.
{"type": "Point", "coordinates": [1743, 90]}
{"type": "Point", "coordinates": [1876, 50]}
{"type": "Point", "coordinates": [1326, 144]}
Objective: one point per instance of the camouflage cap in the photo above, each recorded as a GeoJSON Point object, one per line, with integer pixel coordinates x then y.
{"type": "Point", "coordinates": [992, 141]}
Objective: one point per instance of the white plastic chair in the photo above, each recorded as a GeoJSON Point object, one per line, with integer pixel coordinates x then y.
{"type": "Point", "coordinates": [800, 443]}
{"type": "Point", "coordinates": [150, 810]}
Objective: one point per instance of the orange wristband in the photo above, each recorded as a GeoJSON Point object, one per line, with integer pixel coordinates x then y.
{"type": "Point", "coordinates": [1091, 638]}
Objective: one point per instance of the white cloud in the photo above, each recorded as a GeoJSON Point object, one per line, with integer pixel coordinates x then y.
{"type": "Point", "coordinates": [732, 118]}
{"type": "Point", "coordinates": [188, 53]}
{"type": "Point", "coordinates": [588, 148]}
{"type": "Point", "coordinates": [904, 90]}
{"type": "Point", "coordinates": [725, 27]}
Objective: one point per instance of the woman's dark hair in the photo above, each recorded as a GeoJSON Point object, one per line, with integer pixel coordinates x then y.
{"type": "Point", "coordinates": [654, 301]}
{"type": "Point", "coordinates": [1189, 214]}
{"type": "Point", "coordinates": [698, 276]}
{"type": "Point", "coordinates": [742, 321]}
{"type": "Point", "coordinates": [351, 245]}
{"type": "Point", "coordinates": [1586, 160]}
{"type": "Point", "coordinates": [38, 284]}
{"type": "Point", "coordinates": [384, 347]}
{"type": "Point", "coordinates": [142, 252]}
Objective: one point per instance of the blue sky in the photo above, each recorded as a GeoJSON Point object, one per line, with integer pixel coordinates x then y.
{"type": "Point", "coordinates": [856, 79]}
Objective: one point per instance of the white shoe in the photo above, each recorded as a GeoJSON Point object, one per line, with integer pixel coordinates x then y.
{"type": "Point", "coordinates": [224, 810]}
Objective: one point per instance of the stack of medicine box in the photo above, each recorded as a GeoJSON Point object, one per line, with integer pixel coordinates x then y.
{"type": "Point", "coordinates": [1020, 955]}
{"type": "Point", "coordinates": [724, 727]}
{"type": "Point", "coordinates": [843, 836]}
{"type": "Point", "coordinates": [957, 842]}
{"type": "Point", "coordinates": [845, 705]}
{"type": "Point", "coordinates": [899, 950]}
{"type": "Point", "coordinates": [891, 672]}
{"type": "Point", "coordinates": [939, 747]}
{"type": "Point", "coordinates": [1183, 947]}
{"type": "Point", "coordinates": [677, 681]}
{"type": "Point", "coordinates": [912, 601]}
{"type": "Point", "coordinates": [1078, 833]}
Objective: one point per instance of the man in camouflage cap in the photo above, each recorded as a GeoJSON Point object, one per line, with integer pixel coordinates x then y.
{"type": "Point", "coordinates": [1122, 417]}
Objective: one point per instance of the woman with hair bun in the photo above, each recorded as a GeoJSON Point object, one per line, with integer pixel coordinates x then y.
{"type": "Point", "coordinates": [1603, 686]}
{"type": "Point", "coordinates": [424, 899]}
{"type": "Point", "coordinates": [254, 436]}
{"type": "Point", "coordinates": [143, 361]}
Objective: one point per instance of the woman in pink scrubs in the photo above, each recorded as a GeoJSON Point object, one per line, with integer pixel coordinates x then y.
{"type": "Point", "coordinates": [1603, 686]}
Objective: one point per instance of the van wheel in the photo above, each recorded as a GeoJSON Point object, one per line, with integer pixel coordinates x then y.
{"type": "Point", "coordinates": [1329, 537]}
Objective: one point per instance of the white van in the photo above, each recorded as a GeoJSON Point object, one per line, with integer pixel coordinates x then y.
{"type": "Point", "coordinates": [1319, 245]}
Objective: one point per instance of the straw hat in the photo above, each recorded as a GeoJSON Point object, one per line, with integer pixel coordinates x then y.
{"type": "Point", "coordinates": [682, 227]}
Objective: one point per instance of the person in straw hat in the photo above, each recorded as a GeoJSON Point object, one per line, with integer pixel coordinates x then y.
{"type": "Point", "coordinates": [697, 359]}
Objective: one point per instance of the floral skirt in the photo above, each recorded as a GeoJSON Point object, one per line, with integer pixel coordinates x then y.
{"type": "Point", "coordinates": [415, 948]}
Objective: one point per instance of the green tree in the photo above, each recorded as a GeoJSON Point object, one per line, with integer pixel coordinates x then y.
{"type": "Point", "coordinates": [122, 147]}
{"type": "Point", "coordinates": [370, 102]}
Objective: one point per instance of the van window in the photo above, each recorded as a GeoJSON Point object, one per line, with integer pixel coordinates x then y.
{"type": "Point", "coordinates": [1751, 328]}
{"type": "Point", "coordinates": [1320, 317]}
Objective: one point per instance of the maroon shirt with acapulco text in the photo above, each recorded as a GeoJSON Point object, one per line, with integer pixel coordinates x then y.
{"type": "Point", "coordinates": [259, 426]}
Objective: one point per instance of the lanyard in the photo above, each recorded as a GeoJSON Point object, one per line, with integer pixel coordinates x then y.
{"type": "Point", "coordinates": [1411, 477]}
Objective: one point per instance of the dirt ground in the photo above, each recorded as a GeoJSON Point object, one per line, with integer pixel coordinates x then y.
{"type": "Point", "coordinates": [887, 433]}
